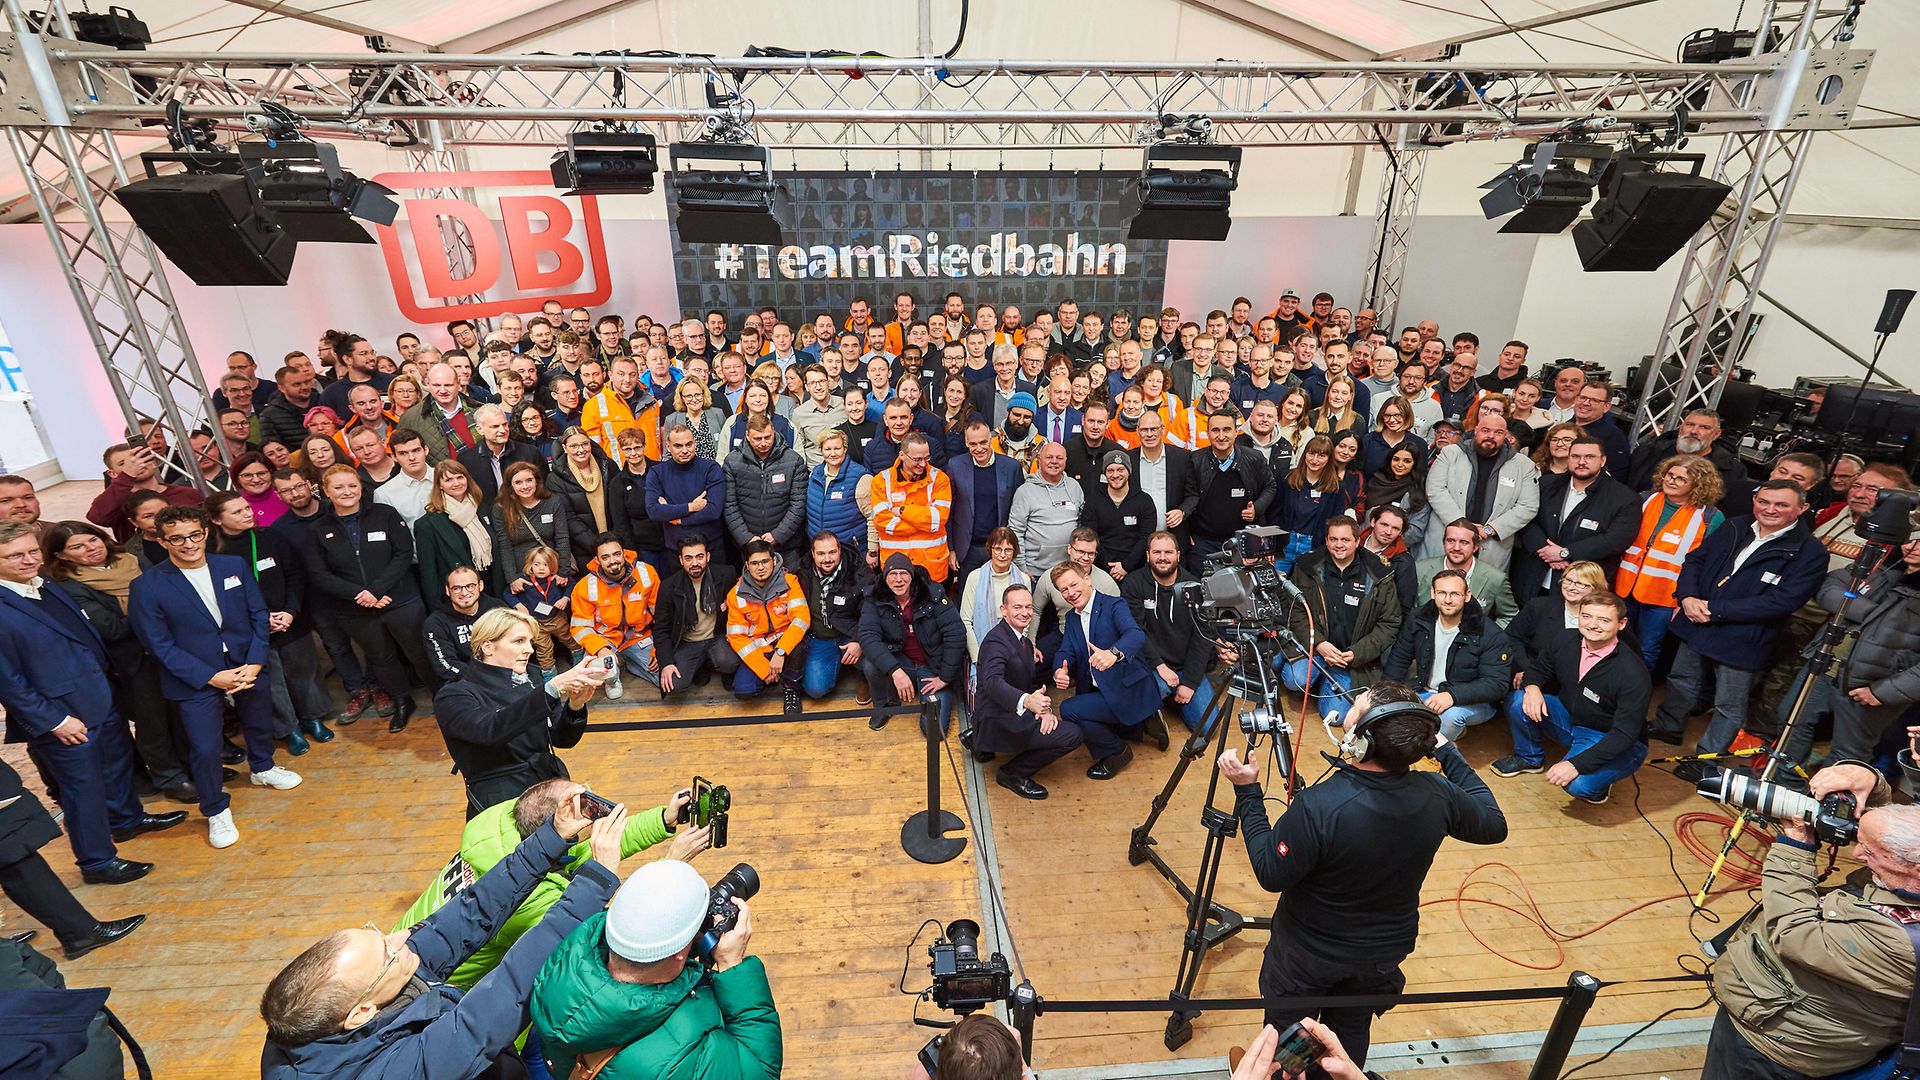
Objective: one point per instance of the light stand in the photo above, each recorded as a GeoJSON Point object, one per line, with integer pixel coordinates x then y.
{"type": "Point", "coordinates": [1892, 311]}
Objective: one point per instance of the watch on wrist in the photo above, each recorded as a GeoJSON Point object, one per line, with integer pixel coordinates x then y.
{"type": "Point", "coordinates": [1565, 554]}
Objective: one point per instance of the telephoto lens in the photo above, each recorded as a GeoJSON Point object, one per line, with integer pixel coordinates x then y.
{"type": "Point", "coordinates": [741, 881]}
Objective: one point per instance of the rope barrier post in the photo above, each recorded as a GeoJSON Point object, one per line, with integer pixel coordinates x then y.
{"type": "Point", "coordinates": [923, 836]}
{"type": "Point", "coordinates": [1582, 988]}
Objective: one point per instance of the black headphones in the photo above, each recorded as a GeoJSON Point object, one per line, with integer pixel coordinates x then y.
{"type": "Point", "coordinates": [1358, 744]}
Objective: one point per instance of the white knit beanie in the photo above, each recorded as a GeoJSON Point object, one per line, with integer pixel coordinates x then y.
{"type": "Point", "coordinates": [656, 912]}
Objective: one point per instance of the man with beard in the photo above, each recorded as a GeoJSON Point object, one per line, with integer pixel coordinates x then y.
{"type": "Point", "coordinates": [1489, 484]}
{"type": "Point", "coordinates": [767, 624]}
{"type": "Point", "coordinates": [1698, 434]}
{"type": "Point", "coordinates": [1176, 650]}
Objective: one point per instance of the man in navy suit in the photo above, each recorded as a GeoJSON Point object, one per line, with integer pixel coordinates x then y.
{"type": "Point", "coordinates": [1100, 652]}
{"type": "Point", "coordinates": [983, 487]}
{"type": "Point", "coordinates": [1011, 713]}
{"type": "Point", "coordinates": [1058, 421]}
{"type": "Point", "coordinates": [53, 681]}
{"type": "Point", "coordinates": [205, 620]}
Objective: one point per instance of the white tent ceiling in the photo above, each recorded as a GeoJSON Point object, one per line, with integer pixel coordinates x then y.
{"type": "Point", "coordinates": [1866, 172]}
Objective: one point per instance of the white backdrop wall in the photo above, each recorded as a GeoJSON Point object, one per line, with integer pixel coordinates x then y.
{"type": "Point", "coordinates": [1463, 273]}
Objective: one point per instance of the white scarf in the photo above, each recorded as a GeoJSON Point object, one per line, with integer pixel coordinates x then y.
{"type": "Point", "coordinates": [466, 514]}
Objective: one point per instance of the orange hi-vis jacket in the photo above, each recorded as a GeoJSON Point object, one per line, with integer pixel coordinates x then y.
{"type": "Point", "coordinates": [605, 415]}
{"type": "Point", "coordinates": [609, 615]}
{"type": "Point", "coordinates": [1650, 569]}
{"type": "Point", "coordinates": [910, 517]}
{"type": "Point", "coordinates": [756, 627]}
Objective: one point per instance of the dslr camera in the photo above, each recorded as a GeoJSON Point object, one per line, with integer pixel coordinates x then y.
{"type": "Point", "coordinates": [1834, 819]}
{"type": "Point", "coordinates": [1240, 586]}
{"type": "Point", "coordinates": [709, 806]}
{"type": "Point", "coordinates": [962, 982]}
{"type": "Point", "coordinates": [722, 916]}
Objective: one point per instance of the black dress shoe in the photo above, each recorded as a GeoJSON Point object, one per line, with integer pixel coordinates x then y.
{"type": "Point", "coordinates": [149, 823]}
{"type": "Point", "coordinates": [1671, 738]}
{"type": "Point", "coordinates": [23, 936]}
{"type": "Point", "coordinates": [231, 754]}
{"type": "Point", "coordinates": [105, 933]}
{"type": "Point", "coordinates": [878, 721]}
{"type": "Point", "coordinates": [117, 872]}
{"type": "Point", "coordinates": [1109, 767]}
{"type": "Point", "coordinates": [1023, 786]}
{"type": "Point", "coordinates": [402, 712]}
{"type": "Point", "coordinates": [182, 792]}
{"type": "Point", "coordinates": [981, 756]}
{"type": "Point", "coordinates": [228, 776]}
{"type": "Point", "coordinates": [1157, 730]}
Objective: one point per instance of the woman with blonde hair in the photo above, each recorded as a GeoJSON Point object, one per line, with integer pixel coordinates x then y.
{"type": "Point", "coordinates": [1676, 518]}
{"type": "Point", "coordinates": [1544, 618]}
{"type": "Point", "coordinates": [693, 405]}
{"type": "Point", "coordinates": [1336, 412]}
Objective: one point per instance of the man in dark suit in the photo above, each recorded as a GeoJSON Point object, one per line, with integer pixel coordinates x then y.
{"type": "Point", "coordinates": [1058, 421]}
{"type": "Point", "coordinates": [1585, 515]}
{"type": "Point", "coordinates": [53, 681]}
{"type": "Point", "coordinates": [490, 455]}
{"type": "Point", "coordinates": [992, 397]}
{"type": "Point", "coordinates": [1011, 712]}
{"type": "Point", "coordinates": [204, 619]}
{"type": "Point", "coordinates": [1160, 469]}
{"type": "Point", "coordinates": [1100, 661]}
{"type": "Point", "coordinates": [983, 487]}
{"type": "Point", "coordinates": [30, 883]}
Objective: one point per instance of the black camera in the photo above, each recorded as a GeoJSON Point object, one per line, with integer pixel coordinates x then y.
{"type": "Point", "coordinates": [962, 982]}
{"type": "Point", "coordinates": [709, 806]}
{"type": "Point", "coordinates": [1239, 585]}
{"type": "Point", "coordinates": [1834, 819]}
{"type": "Point", "coordinates": [741, 881]}
{"type": "Point", "coordinates": [1890, 521]}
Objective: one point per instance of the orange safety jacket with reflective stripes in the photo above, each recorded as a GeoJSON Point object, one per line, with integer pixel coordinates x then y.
{"type": "Point", "coordinates": [608, 616]}
{"type": "Point", "coordinates": [1650, 569]}
{"type": "Point", "coordinates": [910, 516]}
{"type": "Point", "coordinates": [757, 627]}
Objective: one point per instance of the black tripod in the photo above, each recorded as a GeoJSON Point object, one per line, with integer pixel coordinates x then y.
{"type": "Point", "coordinates": [1209, 922]}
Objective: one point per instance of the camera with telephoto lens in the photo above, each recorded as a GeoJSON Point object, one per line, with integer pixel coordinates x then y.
{"type": "Point", "coordinates": [1834, 819]}
{"type": "Point", "coordinates": [1231, 593]}
{"type": "Point", "coordinates": [741, 881]}
{"type": "Point", "coordinates": [962, 982]}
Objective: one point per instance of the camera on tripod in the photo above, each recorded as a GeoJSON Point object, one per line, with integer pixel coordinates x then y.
{"type": "Point", "coordinates": [1239, 586]}
{"type": "Point", "coordinates": [741, 881]}
{"type": "Point", "coordinates": [1834, 819]}
{"type": "Point", "coordinates": [962, 982]}
{"type": "Point", "coordinates": [1890, 522]}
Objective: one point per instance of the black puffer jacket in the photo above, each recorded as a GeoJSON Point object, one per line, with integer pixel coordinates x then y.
{"type": "Point", "coordinates": [767, 496]}
{"type": "Point", "coordinates": [883, 630]}
{"type": "Point", "coordinates": [1479, 668]}
{"type": "Point", "coordinates": [1887, 655]}
{"type": "Point", "coordinates": [580, 529]}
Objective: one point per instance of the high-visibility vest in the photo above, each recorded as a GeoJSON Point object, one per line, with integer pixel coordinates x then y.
{"type": "Point", "coordinates": [756, 628]}
{"type": "Point", "coordinates": [910, 516]}
{"type": "Point", "coordinates": [1650, 569]}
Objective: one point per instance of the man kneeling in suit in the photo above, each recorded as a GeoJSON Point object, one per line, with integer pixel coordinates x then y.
{"type": "Point", "coordinates": [1100, 650]}
{"type": "Point", "coordinates": [1011, 712]}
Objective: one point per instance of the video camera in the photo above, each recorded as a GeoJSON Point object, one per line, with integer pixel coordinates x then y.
{"type": "Point", "coordinates": [1240, 587]}
{"type": "Point", "coordinates": [962, 982]}
{"type": "Point", "coordinates": [1834, 819]}
{"type": "Point", "coordinates": [741, 881]}
{"type": "Point", "coordinates": [709, 806]}
{"type": "Point", "coordinates": [1890, 522]}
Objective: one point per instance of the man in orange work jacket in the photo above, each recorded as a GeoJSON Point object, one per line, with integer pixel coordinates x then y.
{"type": "Point", "coordinates": [912, 502]}
{"type": "Point", "coordinates": [767, 624]}
{"type": "Point", "coordinates": [612, 606]}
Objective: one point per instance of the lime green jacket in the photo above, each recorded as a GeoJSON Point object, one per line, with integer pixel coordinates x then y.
{"type": "Point", "coordinates": [490, 837]}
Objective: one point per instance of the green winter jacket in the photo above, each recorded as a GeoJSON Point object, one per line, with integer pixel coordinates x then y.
{"type": "Point", "coordinates": [487, 839]}
{"type": "Point", "coordinates": [726, 1029]}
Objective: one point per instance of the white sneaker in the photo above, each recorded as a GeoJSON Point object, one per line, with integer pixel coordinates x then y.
{"type": "Point", "coordinates": [277, 777]}
{"type": "Point", "coordinates": [613, 688]}
{"type": "Point", "coordinates": [221, 831]}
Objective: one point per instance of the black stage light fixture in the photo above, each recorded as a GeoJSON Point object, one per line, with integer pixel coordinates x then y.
{"type": "Point", "coordinates": [1643, 215]}
{"type": "Point", "coordinates": [1183, 192]}
{"type": "Point", "coordinates": [302, 184]}
{"type": "Point", "coordinates": [725, 193]}
{"type": "Point", "coordinates": [208, 221]}
{"type": "Point", "coordinates": [606, 163]}
{"type": "Point", "coordinates": [1547, 189]}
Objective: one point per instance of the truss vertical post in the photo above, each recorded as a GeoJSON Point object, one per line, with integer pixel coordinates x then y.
{"type": "Point", "coordinates": [118, 282]}
{"type": "Point", "coordinates": [439, 153]}
{"type": "Point", "coordinates": [1393, 230]}
{"type": "Point", "coordinates": [1712, 305]}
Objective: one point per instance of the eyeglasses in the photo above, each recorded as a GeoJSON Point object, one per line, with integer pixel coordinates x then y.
{"type": "Point", "coordinates": [385, 967]}
{"type": "Point", "coordinates": [21, 556]}
{"type": "Point", "coordinates": [464, 588]}
{"type": "Point", "coordinates": [185, 539]}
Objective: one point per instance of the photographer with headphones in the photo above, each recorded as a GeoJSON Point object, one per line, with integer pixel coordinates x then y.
{"type": "Point", "coordinates": [1350, 854]}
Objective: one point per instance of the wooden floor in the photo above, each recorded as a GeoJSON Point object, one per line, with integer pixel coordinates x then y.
{"type": "Point", "coordinates": [818, 811]}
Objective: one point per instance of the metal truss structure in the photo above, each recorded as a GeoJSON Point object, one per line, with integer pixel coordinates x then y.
{"type": "Point", "coordinates": [436, 153]}
{"type": "Point", "coordinates": [61, 100]}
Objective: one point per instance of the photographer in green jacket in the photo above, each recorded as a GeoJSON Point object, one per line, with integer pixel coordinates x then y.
{"type": "Point", "coordinates": [496, 831]}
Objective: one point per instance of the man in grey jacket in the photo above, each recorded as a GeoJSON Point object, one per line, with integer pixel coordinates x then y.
{"type": "Point", "coordinates": [767, 492]}
{"type": "Point", "coordinates": [1878, 680]}
{"type": "Point", "coordinates": [1045, 511]}
{"type": "Point", "coordinates": [1489, 483]}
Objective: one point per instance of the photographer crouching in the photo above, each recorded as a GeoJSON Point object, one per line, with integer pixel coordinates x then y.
{"type": "Point", "coordinates": [1350, 854]}
{"type": "Point", "coordinates": [1813, 983]}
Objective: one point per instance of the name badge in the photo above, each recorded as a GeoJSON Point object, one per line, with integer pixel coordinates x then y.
{"type": "Point", "coordinates": [836, 495]}
{"type": "Point", "coordinates": [265, 564]}
{"type": "Point", "coordinates": [1770, 578]}
{"type": "Point", "coordinates": [230, 583]}
{"type": "Point", "coordinates": [1352, 600]}
{"type": "Point", "coordinates": [1153, 605]}
{"type": "Point", "coordinates": [1587, 692]}
{"type": "Point", "coordinates": [376, 535]}
{"type": "Point", "coordinates": [839, 601]}
{"type": "Point", "coordinates": [1074, 430]}
{"type": "Point", "coordinates": [1506, 481]}
{"type": "Point", "coordinates": [1673, 536]}
{"type": "Point", "coordinates": [897, 496]}
{"type": "Point", "coordinates": [779, 478]}
{"type": "Point", "coordinates": [1314, 494]}
{"type": "Point", "coordinates": [1132, 520]}
{"type": "Point", "coordinates": [1589, 524]}
{"type": "Point", "coordinates": [543, 609]}
{"type": "Point", "coordinates": [545, 519]}
{"type": "Point", "coordinates": [331, 535]}
{"type": "Point", "coordinates": [1239, 493]}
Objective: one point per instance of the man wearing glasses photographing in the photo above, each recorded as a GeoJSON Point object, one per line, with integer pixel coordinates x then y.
{"type": "Point", "coordinates": [370, 1005]}
{"type": "Point", "coordinates": [204, 619]}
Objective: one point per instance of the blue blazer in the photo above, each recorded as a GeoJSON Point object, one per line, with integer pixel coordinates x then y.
{"type": "Point", "coordinates": [1007, 478]}
{"type": "Point", "coordinates": [1128, 686]}
{"type": "Point", "coordinates": [173, 623]}
{"type": "Point", "coordinates": [1069, 423]}
{"type": "Point", "coordinates": [42, 686]}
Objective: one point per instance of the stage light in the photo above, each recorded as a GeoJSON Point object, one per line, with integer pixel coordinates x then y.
{"type": "Point", "coordinates": [731, 198]}
{"type": "Point", "coordinates": [1183, 191]}
{"type": "Point", "coordinates": [606, 163]}
{"type": "Point", "coordinates": [1547, 189]}
{"type": "Point", "coordinates": [1643, 216]}
{"type": "Point", "coordinates": [302, 184]}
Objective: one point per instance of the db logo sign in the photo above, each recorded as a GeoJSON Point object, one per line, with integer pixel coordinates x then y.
{"type": "Point", "coordinates": [537, 251]}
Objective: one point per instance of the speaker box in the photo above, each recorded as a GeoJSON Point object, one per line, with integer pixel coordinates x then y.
{"type": "Point", "coordinates": [1643, 217]}
{"type": "Point", "coordinates": [212, 228]}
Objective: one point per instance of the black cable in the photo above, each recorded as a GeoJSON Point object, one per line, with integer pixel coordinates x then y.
{"type": "Point", "coordinates": [1636, 1033]}
{"type": "Point", "coordinates": [961, 36]}
{"type": "Point", "coordinates": [908, 963]}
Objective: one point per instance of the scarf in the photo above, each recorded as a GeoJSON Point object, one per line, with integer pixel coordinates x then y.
{"type": "Point", "coordinates": [1407, 492]}
{"type": "Point", "coordinates": [986, 600]}
{"type": "Point", "coordinates": [596, 495]}
{"type": "Point", "coordinates": [115, 579]}
{"type": "Point", "coordinates": [466, 514]}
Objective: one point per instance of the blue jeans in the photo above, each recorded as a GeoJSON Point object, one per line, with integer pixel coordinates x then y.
{"type": "Point", "coordinates": [1528, 739]}
{"type": "Point", "coordinates": [1298, 544]}
{"type": "Point", "coordinates": [1332, 686]}
{"type": "Point", "coordinates": [744, 680]}
{"type": "Point", "coordinates": [1731, 688]}
{"type": "Point", "coordinates": [822, 669]}
{"type": "Point", "coordinates": [1650, 621]}
{"type": "Point", "coordinates": [1194, 712]}
{"type": "Point", "coordinates": [1458, 718]}
{"type": "Point", "coordinates": [883, 694]}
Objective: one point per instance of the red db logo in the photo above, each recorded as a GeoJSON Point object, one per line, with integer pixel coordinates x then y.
{"type": "Point", "coordinates": [533, 237]}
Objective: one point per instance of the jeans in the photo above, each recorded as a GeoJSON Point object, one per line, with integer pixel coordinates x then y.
{"type": "Point", "coordinates": [637, 658]}
{"type": "Point", "coordinates": [1458, 718]}
{"type": "Point", "coordinates": [1528, 745]}
{"type": "Point", "coordinates": [1332, 686]}
{"type": "Point", "coordinates": [883, 692]}
{"type": "Point", "coordinates": [1732, 686]}
{"type": "Point", "coordinates": [1194, 712]}
{"type": "Point", "coordinates": [1298, 544]}
{"type": "Point", "coordinates": [1819, 699]}
{"type": "Point", "coordinates": [823, 667]}
{"type": "Point", "coordinates": [747, 681]}
{"type": "Point", "coordinates": [1650, 621]}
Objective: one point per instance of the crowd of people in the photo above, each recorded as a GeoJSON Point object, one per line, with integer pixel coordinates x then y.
{"type": "Point", "coordinates": [961, 508]}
